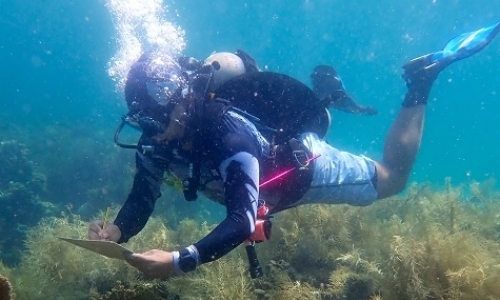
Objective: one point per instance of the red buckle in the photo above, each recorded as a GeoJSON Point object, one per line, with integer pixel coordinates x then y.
{"type": "Point", "coordinates": [262, 212]}
{"type": "Point", "coordinates": [262, 231]}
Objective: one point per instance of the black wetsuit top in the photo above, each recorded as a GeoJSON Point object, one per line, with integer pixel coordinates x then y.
{"type": "Point", "coordinates": [235, 149]}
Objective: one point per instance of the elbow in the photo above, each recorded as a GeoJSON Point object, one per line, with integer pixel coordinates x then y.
{"type": "Point", "coordinates": [248, 231]}
{"type": "Point", "coordinates": [246, 226]}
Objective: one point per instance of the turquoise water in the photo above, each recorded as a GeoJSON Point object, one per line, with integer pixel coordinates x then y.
{"type": "Point", "coordinates": [60, 101]}
{"type": "Point", "coordinates": [55, 55]}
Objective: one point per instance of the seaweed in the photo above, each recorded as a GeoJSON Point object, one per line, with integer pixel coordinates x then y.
{"type": "Point", "coordinates": [21, 188]}
{"type": "Point", "coordinates": [142, 290]}
{"type": "Point", "coordinates": [425, 244]}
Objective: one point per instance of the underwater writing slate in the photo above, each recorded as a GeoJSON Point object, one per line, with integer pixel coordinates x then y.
{"type": "Point", "coordinates": [106, 248]}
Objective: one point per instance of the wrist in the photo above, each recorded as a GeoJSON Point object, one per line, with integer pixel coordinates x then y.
{"type": "Point", "coordinates": [186, 260]}
{"type": "Point", "coordinates": [120, 237]}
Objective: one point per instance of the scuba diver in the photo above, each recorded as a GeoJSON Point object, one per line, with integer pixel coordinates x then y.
{"type": "Point", "coordinates": [252, 141]}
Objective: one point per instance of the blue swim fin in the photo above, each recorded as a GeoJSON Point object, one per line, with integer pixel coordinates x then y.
{"type": "Point", "coordinates": [456, 49]}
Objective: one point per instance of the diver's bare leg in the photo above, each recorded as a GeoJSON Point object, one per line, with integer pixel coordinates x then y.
{"type": "Point", "coordinates": [400, 150]}
{"type": "Point", "coordinates": [403, 140]}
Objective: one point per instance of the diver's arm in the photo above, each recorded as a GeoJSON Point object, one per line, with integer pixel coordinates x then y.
{"type": "Point", "coordinates": [140, 203]}
{"type": "Point", "coordinates": [341, 101]}
{"type": "Point", "coordinates": [241, 180]}
{"type": "Point", "coordinates": [240, 173]}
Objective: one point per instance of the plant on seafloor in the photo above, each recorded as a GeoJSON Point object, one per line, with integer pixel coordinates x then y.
{"type": "Point", "coordinates": [225, 279]}
{"type": "Point", "coordinates": [296, 290]}
{"type": "Point", "coordinates": [425, 243]}
{"type": "Point", "coordinates": [140, 290]}
{"type": "Point", "coordinates": [51, 268]}
{"type": "Point", "coordinates": [418, 245]}
{"type": "Point", "coordinates": [446, 253]}
{"type": "Point", "coordinates": [433, 245]}
{"type": "Point", "coordinates": [310, 238]}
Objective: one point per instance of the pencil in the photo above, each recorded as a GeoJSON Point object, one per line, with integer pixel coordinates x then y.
{"type": "Point", "coordinates": [106, 214]}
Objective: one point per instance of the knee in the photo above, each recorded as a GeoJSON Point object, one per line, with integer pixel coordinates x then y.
{"type": "Point", "coordinates": [389, 189]}
{"type": "Point", "coordinates": [390, 182]}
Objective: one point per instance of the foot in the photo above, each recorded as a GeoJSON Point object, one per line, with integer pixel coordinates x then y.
{"type": "Point", "coordinates": [420, 73]}
{"type": "Point", "coordinates": [423, 69]}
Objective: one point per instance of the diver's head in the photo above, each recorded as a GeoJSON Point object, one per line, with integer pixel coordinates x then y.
{"type": "Point", "coordinates": [154, 82]}
{"type": "Point", "coordinates": [154, 94]}
{"type": "Point", "coordinates": [225, 67]}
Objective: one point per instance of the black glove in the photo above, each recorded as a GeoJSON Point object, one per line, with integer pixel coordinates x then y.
{"type": "Point", "coordinates": [328, 87]}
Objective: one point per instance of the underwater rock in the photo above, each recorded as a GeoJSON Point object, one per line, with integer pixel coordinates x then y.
{"type": "Point", "coordinates": [6, 292]}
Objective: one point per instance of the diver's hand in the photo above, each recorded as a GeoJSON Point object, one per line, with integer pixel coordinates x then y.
{"type": "Point", "coordinates": [110, 233]}
{"type": "Point", "coordinates": [343, 102]}
{"type": "Point", "coordinates": [367, 111]}
{"type": "Point", "coordinates": [153, 263]}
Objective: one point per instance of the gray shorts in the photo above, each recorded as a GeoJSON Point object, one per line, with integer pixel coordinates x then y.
{"type": "Point", "coordinates": [339, 177]}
